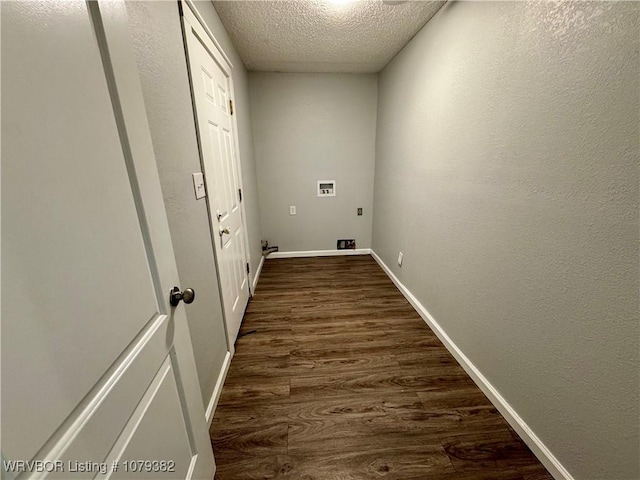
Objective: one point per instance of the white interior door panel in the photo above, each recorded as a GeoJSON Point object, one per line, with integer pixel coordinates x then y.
{"type": "Point", "coordinates": [211, 84]}
{"type": "Point", "coordinates": [87, 261]}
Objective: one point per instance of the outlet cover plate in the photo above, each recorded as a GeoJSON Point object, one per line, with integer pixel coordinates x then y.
{"type": "Point", "coordinates": [400, 257]}
{"type": "Point", "coordinates": [346, 244]}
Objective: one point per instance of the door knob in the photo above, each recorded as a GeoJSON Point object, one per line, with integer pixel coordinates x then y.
{"type": "Point", "coordinates": [189, 295]}
{"type": "Point", "coordinates": [223, 231]}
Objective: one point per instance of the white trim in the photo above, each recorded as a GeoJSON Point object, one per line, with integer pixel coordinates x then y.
{"type": "Point", "coordinates": [213, 402]}
{"type": "Point", "coordinates": [238, 160]}
{"type": "Point", "coordinates": [508, 412]}
{"type": "Point", "coordinates": [257, 275]}
{"type": "Point", "coordinates": [207, 30]}
{"type": "Point", "coordinates": [320, 253]}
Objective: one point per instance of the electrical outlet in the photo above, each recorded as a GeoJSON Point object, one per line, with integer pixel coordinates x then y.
{"type": "Point", "coordinates": [346, 244]}
{"type": "Point", "coordinates": [359, 211]}
{"type": "Point", "coordinates": [400, 255]}
{"type": "Point", "coordinates": [292, 210]}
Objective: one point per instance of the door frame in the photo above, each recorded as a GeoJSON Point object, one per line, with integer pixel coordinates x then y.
{"type": "Point", "coordinates": [190, 14]}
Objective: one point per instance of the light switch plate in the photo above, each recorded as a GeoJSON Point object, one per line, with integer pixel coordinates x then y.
{"type": "Point", "coordinates": [400, 257]}
{"type": "Point", "coordinates": [292, 210]}
{"type": "Point", "coordinates": [198, 185]}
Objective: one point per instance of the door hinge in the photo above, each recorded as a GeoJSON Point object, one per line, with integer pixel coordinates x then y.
{"type": "Point", "coordinates": [247, 267]}
{"type": "Point", "coordinates": [240, 193]}
{"type": "Point", "coordinates": [231, 106]}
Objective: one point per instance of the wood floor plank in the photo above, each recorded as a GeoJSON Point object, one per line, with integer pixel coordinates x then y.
{"type": "Point", "coordinates": [486, 474]}
{"type": "Point", "coordinates": [251, 467]}
{"type": "Point", "coordinates": [348, 408]}
{"type": "Point", "coordinates": [272, 365]}
{"type": "Point", "coordinates": [468, 395]}
{"type": "Point", "coordinates": [257, 441]}
{"type": "Point", "coordinates": [534, 472]}
{"type": "Point", "coordinates": [307, 367]}
{"type": "Point", "coordinates": [238, 390]}
{"type": "Point", "coordinates": [334, 439]}
{"type": "Point", "coordinates": [406, 463]}
{"type": "Point", "coordinates": [478, 451]}
{"type": "Point", "coordinates": [335, 376]}
{"type": "Point", "coordinates": [254, 414]}
{"type": "Point", "coordinates": [429, 357]}
{"type": "Point", "coordinates": [389, 380]}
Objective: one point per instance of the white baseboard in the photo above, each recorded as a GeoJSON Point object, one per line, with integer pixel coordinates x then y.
{"type": "Point", "coordinates": [257, 275]}
{"type": "Point", "coordinates": [213, 402]}
{"type": "Point", "coordinates": [517, 423]}
{"type": "Point", "coordinates": [320, 253]}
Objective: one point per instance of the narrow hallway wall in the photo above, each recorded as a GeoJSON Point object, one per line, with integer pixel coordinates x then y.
{"type": "Point", "coordinates": [507, 161]}
{"type": "Point", "coordinates": [157, 39]}
{"type": "Point", "coordinates": [309, 127]}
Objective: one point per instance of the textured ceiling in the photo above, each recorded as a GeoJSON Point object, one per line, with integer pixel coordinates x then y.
{"type": "Point", "coordinates": [322, 36]}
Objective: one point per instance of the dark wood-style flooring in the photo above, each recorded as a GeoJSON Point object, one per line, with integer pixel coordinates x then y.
{"type": "Point", "coordinates": [335, 376]}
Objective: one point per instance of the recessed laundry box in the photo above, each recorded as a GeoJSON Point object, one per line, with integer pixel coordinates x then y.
{"type": "Point", "coordinates": [326, 188]}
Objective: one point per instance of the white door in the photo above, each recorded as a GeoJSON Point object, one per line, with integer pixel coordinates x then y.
{"type": "Point", "coordinates": [98, 371]}
{"type": "Point", "coordinates": [211, 85]}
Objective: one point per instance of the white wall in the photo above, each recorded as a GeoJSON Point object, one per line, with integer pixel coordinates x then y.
{"type": "Point", "coordinates": [310, 127]}
{"type": "Point", "coordinates": [507, 173]}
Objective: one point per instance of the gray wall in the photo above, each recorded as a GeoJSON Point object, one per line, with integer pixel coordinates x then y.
{"type": "Point", "coordinates": [243, 118]}
{"type": "Point", "coordinates": [310, 127]}
{"type": "Point", "coordinates": [157, 39]}
{"type": "Point", "coordinates": [507, 173]}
